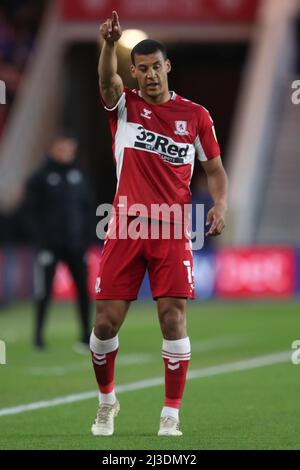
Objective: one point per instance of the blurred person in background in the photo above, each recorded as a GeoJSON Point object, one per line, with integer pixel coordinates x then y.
{"type": "Point", "coordinates": [59, 214]}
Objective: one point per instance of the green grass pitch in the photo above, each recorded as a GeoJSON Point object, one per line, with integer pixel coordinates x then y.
{"type": "Point", "coordinates": [254, 408]}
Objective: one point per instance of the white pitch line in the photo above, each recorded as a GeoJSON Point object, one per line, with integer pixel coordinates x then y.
{"type": "Point", "coordinates": [125, 360]}
{"type": "Point", "coordinates": [245, 364]}
{"type": "Point", "coordinates": [136, 359]}
{"type": "Point", "coordinates": [217, 343]}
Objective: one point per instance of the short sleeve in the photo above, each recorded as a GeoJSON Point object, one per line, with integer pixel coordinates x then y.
{"type": "Point", "coordinates": [117, 113]}
{"type": "Point", "coordinates": [206, 143]}
{"type": "Point", "coordinates": [121, 100]}
{"type": "Point", "coordinates": [119, 105]}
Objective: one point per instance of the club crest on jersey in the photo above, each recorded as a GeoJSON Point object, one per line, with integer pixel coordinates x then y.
{"type": "Point", "coordinates": [181, 128]}
{"type": "Point", "coordinates": [146, 113]}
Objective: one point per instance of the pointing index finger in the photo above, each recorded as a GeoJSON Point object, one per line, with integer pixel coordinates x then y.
{"type": "Point", "coordinates": [115, 18]}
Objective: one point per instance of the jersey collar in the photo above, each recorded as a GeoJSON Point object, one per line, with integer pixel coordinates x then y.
{"type": "Point", "coordinates": [172, 95]}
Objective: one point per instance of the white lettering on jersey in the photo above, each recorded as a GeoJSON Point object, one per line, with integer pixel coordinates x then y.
{"type": "Point", "coordinates": [139, 138]}
{"type": "Point", "coordinates": [187, 263]}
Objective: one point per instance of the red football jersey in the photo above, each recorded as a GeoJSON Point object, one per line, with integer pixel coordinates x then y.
{"type": "Point", "coordinates": [154, 148]}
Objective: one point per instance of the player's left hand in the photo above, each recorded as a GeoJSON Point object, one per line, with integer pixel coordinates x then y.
{"type": "Point", "coordinates": [216, 220]}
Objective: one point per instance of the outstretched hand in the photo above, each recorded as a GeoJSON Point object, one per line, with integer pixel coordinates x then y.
{"type": "Point", "coordinates": [111, 30]}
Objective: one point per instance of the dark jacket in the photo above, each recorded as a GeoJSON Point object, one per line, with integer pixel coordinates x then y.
{"type": "Point", "coordinates": [59, 208]}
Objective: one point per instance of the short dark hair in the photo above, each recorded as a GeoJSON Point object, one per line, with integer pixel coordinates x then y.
{"type": "Point", "coordinates": [147, 46]}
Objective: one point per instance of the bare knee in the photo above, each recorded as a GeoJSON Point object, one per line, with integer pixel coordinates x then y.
{"type": "Point", "coordinates": [108, 319]}
{"type": "Point", "coordinates": [172, 318]}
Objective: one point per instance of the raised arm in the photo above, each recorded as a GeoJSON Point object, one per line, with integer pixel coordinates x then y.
{"type": "Point", "coordinates": [111, 84]}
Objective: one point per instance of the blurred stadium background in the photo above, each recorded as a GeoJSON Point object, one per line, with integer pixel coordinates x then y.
{"type": "Point", "coordinates": [238, 58]}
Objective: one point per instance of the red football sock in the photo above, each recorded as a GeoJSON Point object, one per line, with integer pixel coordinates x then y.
{"type": "Point", "coordinates": [176, 355]}
{"type": "Point", "coordinates": [103, 357]}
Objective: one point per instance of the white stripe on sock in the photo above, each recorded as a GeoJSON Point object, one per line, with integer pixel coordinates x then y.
{"type": "Point", "coordinates": [174, 358]}
{"type": "Point", "coordinates": [99, 363]}
{"type": "Point", "coordinates": [100, 346]}
{"type": "Point", "coordinates": [177, 350]}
